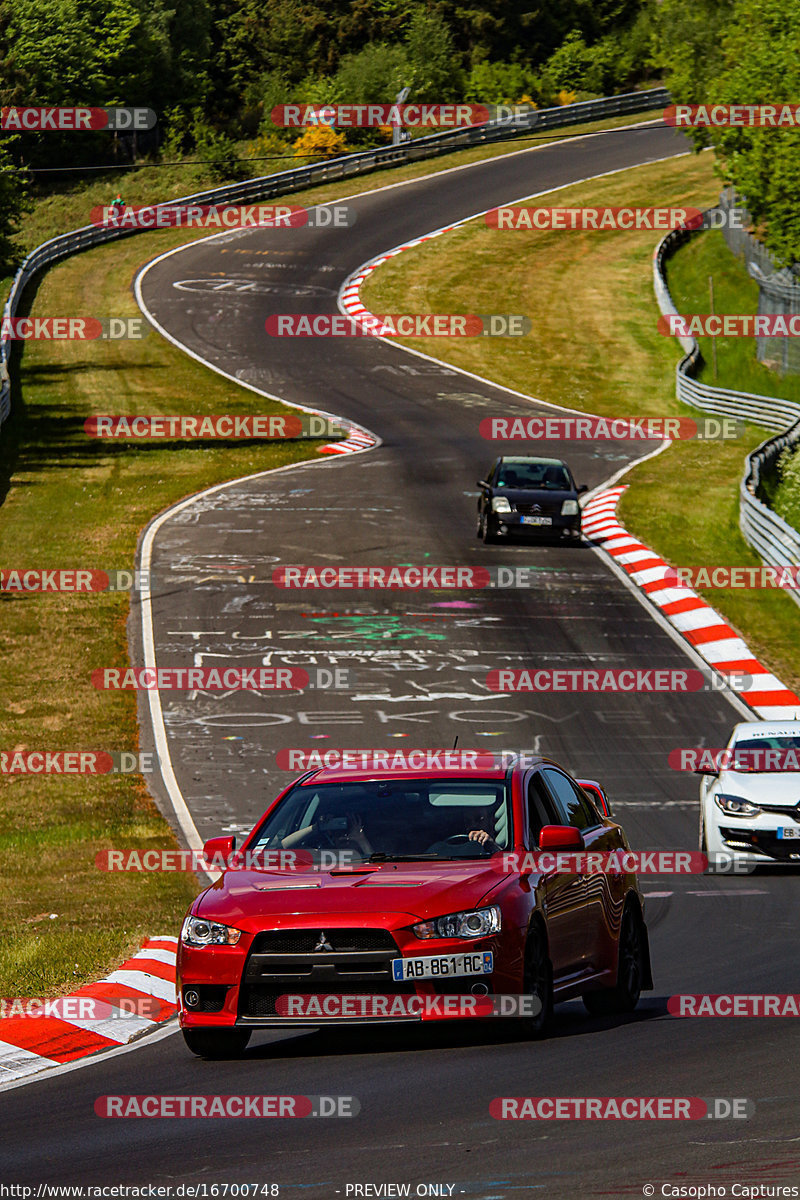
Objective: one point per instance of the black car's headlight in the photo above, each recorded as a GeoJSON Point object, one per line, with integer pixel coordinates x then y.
{"type": "Point", "coordinates": [501, 504]}
{"type": "Point", "coordinates": [472, 923]}
{"type": "Point", "coordinates": [569, 508]}
{"type": "Point", "coordinates": [197, 932]}
{"type": "Point", "coordinates": [736, 806]}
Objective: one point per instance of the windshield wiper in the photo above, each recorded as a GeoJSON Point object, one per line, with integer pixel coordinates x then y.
{"type": "Point", "coordinates": [382, 856]}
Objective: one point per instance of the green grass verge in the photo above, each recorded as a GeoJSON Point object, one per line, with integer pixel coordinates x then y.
{"type": "Point", "coordinates": [73, 502]}
{"type": "Point", "coordinates": [594, 346]}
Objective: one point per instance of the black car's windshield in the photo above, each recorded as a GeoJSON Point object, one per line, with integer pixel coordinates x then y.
{"type": "Point", "coordinates": [384, 820]}
{"type": "Point", "coordinates": [548, 476]}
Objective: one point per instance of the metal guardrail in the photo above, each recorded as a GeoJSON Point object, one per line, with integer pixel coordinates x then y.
{"type": "Point", "coordinates": [297, 178]}
{"type": "Point", "coordinates": [775, 540]}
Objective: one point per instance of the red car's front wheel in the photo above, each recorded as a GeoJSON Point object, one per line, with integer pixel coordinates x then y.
{"type": "Point", "coordinates": [538, 983]}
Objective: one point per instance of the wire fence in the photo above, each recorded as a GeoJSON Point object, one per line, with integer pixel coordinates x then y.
{"type": "Point", "coordinates": [778, 287]}
{"type": "Point", "coordinates": [775, 540]}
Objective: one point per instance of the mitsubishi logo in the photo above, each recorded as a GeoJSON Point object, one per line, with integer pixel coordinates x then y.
{"type": "Point", "coordinates": [323, 944]}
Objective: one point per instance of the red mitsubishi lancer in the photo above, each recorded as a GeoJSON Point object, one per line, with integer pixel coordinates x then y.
{"type": "Point", "coordinates": [409, 895]}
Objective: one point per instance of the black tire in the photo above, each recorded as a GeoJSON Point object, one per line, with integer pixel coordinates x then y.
{"type": "Point", "coordinates": [479, 527]}
{"type": "Point", "coordinates": [538, 983]}
{"type": "Point", "coordinates": [216, 1043]}
{"type": "Point", "coordinates": [624, 997]}
{"type": "Point", "coordinates": [703, 838]}
{"type": "Point", "coordinates": [488, 533]}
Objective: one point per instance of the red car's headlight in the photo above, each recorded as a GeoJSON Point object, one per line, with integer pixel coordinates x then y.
{"type": "Point", "coordinates": [197, 932]}
{"type": "Point", "coordinates": [473, 923]}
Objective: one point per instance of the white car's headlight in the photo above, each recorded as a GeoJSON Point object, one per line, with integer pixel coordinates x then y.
{"type": "Point", "coordinates": [197, 932]}
{"type": "Point", "coordinates": [735, 806]}
{"type": "Point", "coordinates": [500, 504]}
{"type": "Point", "coordinates": [471, 924]}
{"type": "Point", "coordinates": [569, 508]}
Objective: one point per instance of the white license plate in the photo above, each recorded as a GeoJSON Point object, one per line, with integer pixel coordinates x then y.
{"type": "Point", "coordinates": [786, 834]}
{"type": "Point", "coordinates": [443, 965]}
{"type": "Point", "coordinates": [537, 521]}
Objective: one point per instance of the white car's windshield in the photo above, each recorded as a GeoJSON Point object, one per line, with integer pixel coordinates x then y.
{"type": "Point", "coordinates": [779, 752]}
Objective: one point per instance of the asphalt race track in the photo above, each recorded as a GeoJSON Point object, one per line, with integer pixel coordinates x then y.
{"type": "Point", "coordinates": [419, 661]}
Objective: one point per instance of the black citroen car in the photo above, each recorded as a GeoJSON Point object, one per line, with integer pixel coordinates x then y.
{"type": "Point", "coordinates": [529, 496]}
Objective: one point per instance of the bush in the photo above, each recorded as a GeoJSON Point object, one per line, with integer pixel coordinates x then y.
{"type": "Point", "coordinates": [217, 150]}
{"type": "Point", "coordinates": [320, 141]}
{"type": "Point", "coordinates": [501, 83]}
{"type": "Point", "coordinates": [374, 75]}
{"type": "Point", "coordinates": [786, 502]}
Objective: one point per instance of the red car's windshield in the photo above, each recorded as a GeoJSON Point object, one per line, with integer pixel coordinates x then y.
{"type": "Point", "coordinates": [392, 819]}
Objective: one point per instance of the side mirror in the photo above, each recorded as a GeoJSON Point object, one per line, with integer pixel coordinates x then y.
{"type": "Point", "coordinates": [218, 849]}
{"type": "Point", "coordinates": [483, 484]}
{"type": "Point", "coordinates": [561, 837]}
{"type": "Point", "coordinates": [584, 487]}
{"type": "Point", "coordinates": [596, 794]}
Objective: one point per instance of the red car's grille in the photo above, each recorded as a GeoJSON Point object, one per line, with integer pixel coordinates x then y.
{"type": "Point", "coordinates": [305, 941]}
{"type": "Point", "coordinates": [316, 961]}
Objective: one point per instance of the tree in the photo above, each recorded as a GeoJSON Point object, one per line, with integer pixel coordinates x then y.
{"type": "Point", "coordinates": [13, 203]}
{"type": "Point", "coordinates": [689, 45]}
{"type": "Point", "coordinates": [372, 76]}
{"type": "Point", "coordinates": [743, 52]}
{"type": "Point", "coordinates": [435, 70]}
{"type": "Point", "coordinates": [98, 53]}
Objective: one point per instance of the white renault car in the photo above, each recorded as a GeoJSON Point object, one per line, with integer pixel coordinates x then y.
{"type": "Point", "coordinates": [750, 807]}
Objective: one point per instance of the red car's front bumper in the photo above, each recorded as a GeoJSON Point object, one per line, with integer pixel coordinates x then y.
{"type": "Point", "coordinates": [241, 985]}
